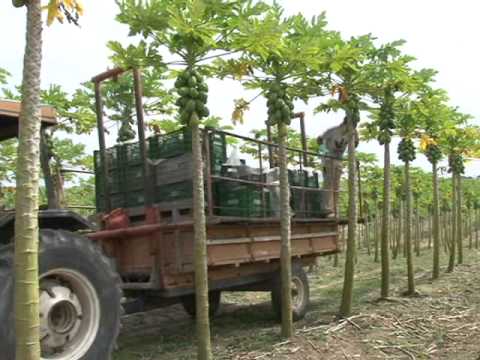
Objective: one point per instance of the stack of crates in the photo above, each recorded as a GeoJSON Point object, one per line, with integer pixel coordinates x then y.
{"type": "Point", "coordinates": [314, 198]}
{"type": "Point", "coordinates": [298, 197]}
{"type": "Point", "coordinates": [218, 152]}
{"type": "Point", "coordinates": [125, 177]}
{"type": "Point", "coordinates": [173, 174]}
{"type": "Point", "coordinates": [305, 203]}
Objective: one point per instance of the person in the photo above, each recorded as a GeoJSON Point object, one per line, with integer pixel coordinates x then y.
{"type": "Point", "coordinates": [333, 144]}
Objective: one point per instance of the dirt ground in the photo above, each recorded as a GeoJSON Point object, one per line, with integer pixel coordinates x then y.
{"type": "Point", "coordinates": [442, 322]}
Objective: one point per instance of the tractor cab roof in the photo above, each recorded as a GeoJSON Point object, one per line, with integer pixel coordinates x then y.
{"type": "Point", "coordinates": [9, 117]}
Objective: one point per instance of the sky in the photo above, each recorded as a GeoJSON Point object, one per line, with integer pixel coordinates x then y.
{"type": "Point", "coordinates": [441, 34]}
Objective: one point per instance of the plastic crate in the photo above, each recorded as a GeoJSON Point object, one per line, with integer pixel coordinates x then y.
{"type": "Point", "coordinates": [240, 200]}
{"type": "Point", "coordinates": [128, 154]}
{"type": "Point", "coordinates": [134, 198]}
{"type": "Point", "coordinates": [312, 180]}
{"type": "Point", "coordinates": [218, 152]}
{"type": "Point", "coordinates": [297, 177]}
{"type": "Point", "coordinates": [171, 144]}
{"type": "Point", "coordinates": [174, 170]}
{"type": "Point", "coordinates": [172, 192]}
{"type": "Point", "coordinates": [132, 178]}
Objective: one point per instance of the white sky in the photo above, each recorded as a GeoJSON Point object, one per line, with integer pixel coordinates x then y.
{"type": "Point", "coordinates": [441, 34]}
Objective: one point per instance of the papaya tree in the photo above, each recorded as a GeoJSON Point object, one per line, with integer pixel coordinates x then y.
{"type": "Point", "coordinates": [435, 116]}
{"type": "Point", "coordinates": [26, 202]}
{"type": "Point", "coordinates": [277, 66]}
{"type": "Point", "coordinates": [407, 128]}
{"type": "Point", "coordinates": [347, 62]}
{"type": "Point", "coordinates": [193, 32]}
{"type": "Point", "coordinates": [74, 116]}
{"type": "Point", "coordinates": [390, 78]}
{"type": "Point", "coordinates": [459, 140]}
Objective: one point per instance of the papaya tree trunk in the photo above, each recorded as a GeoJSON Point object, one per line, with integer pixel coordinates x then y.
{"type": "Point", "coordinates": [385, 281]}
{"type": "Point", "coordinates": [375, 238]}
{"type": "Point", "coordinates": [453, 236]}
{"type": "Point", "coordinates": [26, 201]}
{"type": "Point", "coordinates": [417, 229]}
{"type": "Point", "coordinates": [286, 250]}
{"type": "Point", "coordinates": [367, 233]}
{"type": "Point", "coordinates": [436, 223]}
{"type": "Point", "coordinates": [204, 350]}
{"type": "Point", "coordinates": [470, 229]}
{"type": "Point", "coordinates": [477, 212]}
{"type": "Point", "coordinates": [459, 219]}
{"type": "Point", "coordinates": [347, 294]}
{"type": "Point", "coordinates": [408, 231]}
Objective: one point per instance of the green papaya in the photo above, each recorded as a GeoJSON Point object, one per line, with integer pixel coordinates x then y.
{"type": "Point", "coordinates": [192, 82]}
{"type": "Point", "coordinates": [181, 102]}
{"type": "Point", "coordinates": [272, 96]}
{"type": "Point", "coordinates": [193, 93]}
{"type": "Point", "coordinates": [185, 117]}
{"type": "Point", "coordinates": [18, 3]}
{"type": "Point", "coordinates": [184, 76]}
{"type": "Point", "coordinates": [204, 112]}
{"type": "Point", "coordinates": [190, 106]}
{"type": "Point", "coordinates": [276, 87]}
{"type": "Point", "coordinates": [198, 77]}
{"type": "Point", "coordinates": [203, 96]}
{"type": "Point", "coordinates": [279, 104]}
{"type": "Point", "coordinates": [278, 115]}
{"type": "Point", "coordinates": [183, 91]}
{"type": "Point", "coordinates": [179, 83]}
{"type": "Point", "coordinates": [203, 87]}
{"type": "Point", "coordinates": [271, 120]}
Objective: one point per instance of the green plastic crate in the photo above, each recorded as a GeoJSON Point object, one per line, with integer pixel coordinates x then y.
{"type": "Point", "coordinates": [171, 144]}
{"type": "Point", "coordinates": [297, 177]}
{"type": "Point", "coordinates": [240, 200]}
{"type": "Point", "coordinates": [218, 152]}
{"type": "Point", "coordinates": [176, 191]}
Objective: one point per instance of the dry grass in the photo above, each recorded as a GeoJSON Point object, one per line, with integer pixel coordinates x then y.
{"type": "Point", "coordinates": [443, 322]}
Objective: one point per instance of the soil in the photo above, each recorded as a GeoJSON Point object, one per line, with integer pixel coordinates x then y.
{"type": "Point", "coordinates": [442, 321]}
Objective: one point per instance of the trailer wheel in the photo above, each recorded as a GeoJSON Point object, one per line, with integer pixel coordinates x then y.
{"type": "Point", "coordinates": [214, 302]}
{"type": "Point", "coordinates": [300, 293]}
{"type": "Point", "coordinates": [79, 299]}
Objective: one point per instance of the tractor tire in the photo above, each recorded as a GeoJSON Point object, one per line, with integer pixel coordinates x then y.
{"type": "Point", "coordinates": [80, 299]}
{"type": "Point", "coordinates": [300, 293]}
{"type": "Point", "coordinates": [214, 302]}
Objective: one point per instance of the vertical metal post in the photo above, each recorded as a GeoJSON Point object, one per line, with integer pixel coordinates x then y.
{"type": "Point", "coordinates": [260, 164]}
{"type": "Point", "coordinates": [304, 137]}
{"type": "Point", "coordinates": [147, 180]}
{"type": "Point", "coordinates": [101, 141]}
{"type": "Point", "coordinates": [270, 151]}
{"type": "Point", "coordinates": [208, 165]}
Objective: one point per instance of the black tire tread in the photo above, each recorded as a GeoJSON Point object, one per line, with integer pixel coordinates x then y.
{"type": "Point", "coordinates": [53, 239]}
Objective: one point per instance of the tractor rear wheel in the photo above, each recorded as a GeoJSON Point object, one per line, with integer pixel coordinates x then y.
{"type": "Point", "coordinates": [79, 299]}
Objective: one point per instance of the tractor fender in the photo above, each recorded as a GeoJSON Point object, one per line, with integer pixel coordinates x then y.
{"type": "Point", "coordinates": [56, 219]}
